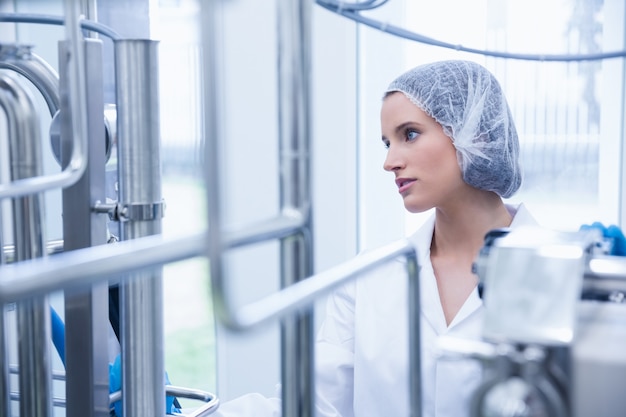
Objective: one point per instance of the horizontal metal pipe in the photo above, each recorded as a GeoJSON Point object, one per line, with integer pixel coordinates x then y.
{"type": "Point", "coordinates": [283, 226]}
{"type": "Point", "coordinates": [56, 401]}
{"type": "Point", "coordinates": [52, 247]}
{"type": "Point", "coordinates": [212, 402]}
{"type": "Point", "coordinates": [600, 267]}
{"type": "Point", "coordinates": [81, 268]}
{"type": "Point", "coordinates": [58, 20]}
{"type": "Point", "coordinates": [56, 375]}
{"type": "Point", "coordinates": [302, 294]}
{"type": "Point", "coordinates": [605, 274]}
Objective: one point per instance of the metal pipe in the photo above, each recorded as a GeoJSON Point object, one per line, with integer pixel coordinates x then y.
{"type": "Point", "coordinates": [211, 401]}
{"type": "Point", "coordinates": [297, 297]}
{"type": "Point", "coordinates": [58, 20]}
{"type": "Point", "coordinates": [141, 299]}
{"type": "Point", "coordinates": [294, 114]}
{"type": "Point", "coordinates": [33, 320]}
{"type": "Point", "coordinates": [80, 269]}
{"type": "Point", "coordinates": [52, 247]}
{"type": "Point", "coordinates": [5, 383]}
{"type": "Point", "coordinates": [86, 312]}
{"type": "Point", "coordinates": [605, 274]}
{"type": "Point", "coordinates": [21, 59]}
{"type": "Point", "coordinates": [77, 165]}
{"type": "Point", "coordinates": [288, 224]}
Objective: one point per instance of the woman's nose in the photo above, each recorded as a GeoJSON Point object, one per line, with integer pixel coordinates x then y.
{"type": "Point", "coordinates": [393, 161]}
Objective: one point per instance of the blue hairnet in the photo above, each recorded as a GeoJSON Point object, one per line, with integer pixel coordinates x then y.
{"type": "Point", "coordinates": [468, 102]}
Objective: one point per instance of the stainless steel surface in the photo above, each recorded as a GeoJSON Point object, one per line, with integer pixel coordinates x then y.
{"type": "Point", "coordinates": [598, 373]}
{"type": "Point", "coordinates": [415, 341]}
{"type": "Point", "coordinates": [211, 401]}
{"type": "Point", "coordinates": [5, 381]}
{"type": "Point", "coordinates": [294, 119]}
{"type": "Point", "coordinates": [33, 320]}
{"type": "Point", "coordinates": [82, 268]}
{"type": "Point", "coordinates": [605, 273]}
{"type": "Point", "coordinates": [77, 165]}
{"type": "Point", "coordinates": [139, 168]}
{"type": "Point", "coordinates": [86, 312]}
{"type": "Point", "coordinates": [52, 247]}
{"type": "Point", "coordinates": [533, 285]}
{"type": "Point", "coordinates": [20, 59]}
{"type": "Point", "coordinates": [299, 295]}
{"type": "Point", "coordinates": [289, 223]}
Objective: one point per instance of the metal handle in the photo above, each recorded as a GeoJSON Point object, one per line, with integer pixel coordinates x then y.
{"type": "Point", "coordinates": [211, 401]}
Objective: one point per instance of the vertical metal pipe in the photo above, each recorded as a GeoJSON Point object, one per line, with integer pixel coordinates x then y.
{"type": "Point", "coordinates": [415, 351]}
{"type": "Point", "coordinates": [6, 103]}
{"type": "Point", "coordinates": [141, 298]}
{"type": "Point", "coordinates": [86, 312]}
{"type": "Point", "coordinates": [294, 113]}
{"type": "Point", "coordinates": [33, 316]}
{"type": "Point", "coordinates": [209, 30]}
{"type": "Point", "coordinates": [5, 387]}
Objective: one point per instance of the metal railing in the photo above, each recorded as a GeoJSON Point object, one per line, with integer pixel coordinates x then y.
{"type": "Point", "coordinates": [82, 268]}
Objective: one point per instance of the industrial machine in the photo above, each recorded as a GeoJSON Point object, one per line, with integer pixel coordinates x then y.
{"type": "Point", "coordinates": [555, 321]}
{"type": "Point", "coordinates": [554, 325]}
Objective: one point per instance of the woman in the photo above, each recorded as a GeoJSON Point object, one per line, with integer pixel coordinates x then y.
{"type": "Point", "coordinates": [452, 146]}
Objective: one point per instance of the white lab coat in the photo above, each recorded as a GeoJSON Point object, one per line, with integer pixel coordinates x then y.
{"type": "Point", "coordinates": [362, 348]}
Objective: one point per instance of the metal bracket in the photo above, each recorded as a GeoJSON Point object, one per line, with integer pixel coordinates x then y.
{"type": "Point", "coordinates": [123, 212]}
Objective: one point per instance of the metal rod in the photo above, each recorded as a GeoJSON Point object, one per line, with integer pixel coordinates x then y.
{"type": "Point", "coordinates": [211, 401]}
{"type": "Point", "coordinates": [58, 20]}
{"type": "Point", "coordinates": [141, 299]}
{"type": "Point", "coordinates": [294, 114]}
{"type": "Point", "coordinates": [33, 320]}
{"type": "Point", "coordinates": [76, 168]}
{"type": "Point", "coordinates": [605, 274]}
{"type": "Point", "coordinates": [303, 294]}
{"type": "Point", "coordinates": [415, 342]}
{"type": "Point", "coordinates": [80, 269]}
{"type": "Point", "coordinates": [5, 382]}
{"type": "Point", "coordinates": [289, 223]}
{"type": "Point", "coordinates": [52, 247]}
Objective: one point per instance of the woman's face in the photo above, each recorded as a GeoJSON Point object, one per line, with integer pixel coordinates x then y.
{"type": "Point", "coordinates": [422, 158]}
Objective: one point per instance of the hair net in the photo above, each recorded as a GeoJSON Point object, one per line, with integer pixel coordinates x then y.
{"type": "Point", "coordinates": [468, 102]}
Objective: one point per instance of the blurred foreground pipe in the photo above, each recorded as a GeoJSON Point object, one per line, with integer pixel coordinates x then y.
{"type": "Point", "coordinates": [33, 315]}
{"type": "Point", "coordinates": [141, 298]}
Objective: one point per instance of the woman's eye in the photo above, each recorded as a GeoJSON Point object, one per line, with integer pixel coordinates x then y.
{"type": "Point", "coordinates": [411, 135]}
{"type": "Point", "coordinates": [386, 144]}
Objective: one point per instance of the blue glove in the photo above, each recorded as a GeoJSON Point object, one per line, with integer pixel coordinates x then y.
{"type": "Point", "coordinates": [613, 233]}
{"type": "Point", "coordinates": [58, 334]}
{"type": "Point", "coordinates": [115, 384]}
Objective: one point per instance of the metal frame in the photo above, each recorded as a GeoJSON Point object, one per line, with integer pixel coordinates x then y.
{"type": "Point", "coordinates": [133, 262]}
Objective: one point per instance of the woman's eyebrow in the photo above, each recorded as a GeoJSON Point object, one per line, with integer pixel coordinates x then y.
{"type": "Point", "coordinates": [404, 125]}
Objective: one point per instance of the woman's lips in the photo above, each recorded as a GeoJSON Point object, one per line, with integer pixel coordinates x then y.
{"type": "Point", "coordinates": [404, 184]}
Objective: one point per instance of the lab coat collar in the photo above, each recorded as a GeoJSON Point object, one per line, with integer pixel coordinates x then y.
{"type": "Point", "coordinates": [431, 305]}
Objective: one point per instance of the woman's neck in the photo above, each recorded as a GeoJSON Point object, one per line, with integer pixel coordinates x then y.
{"type": "Point", "coordinates": [461, 228]}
